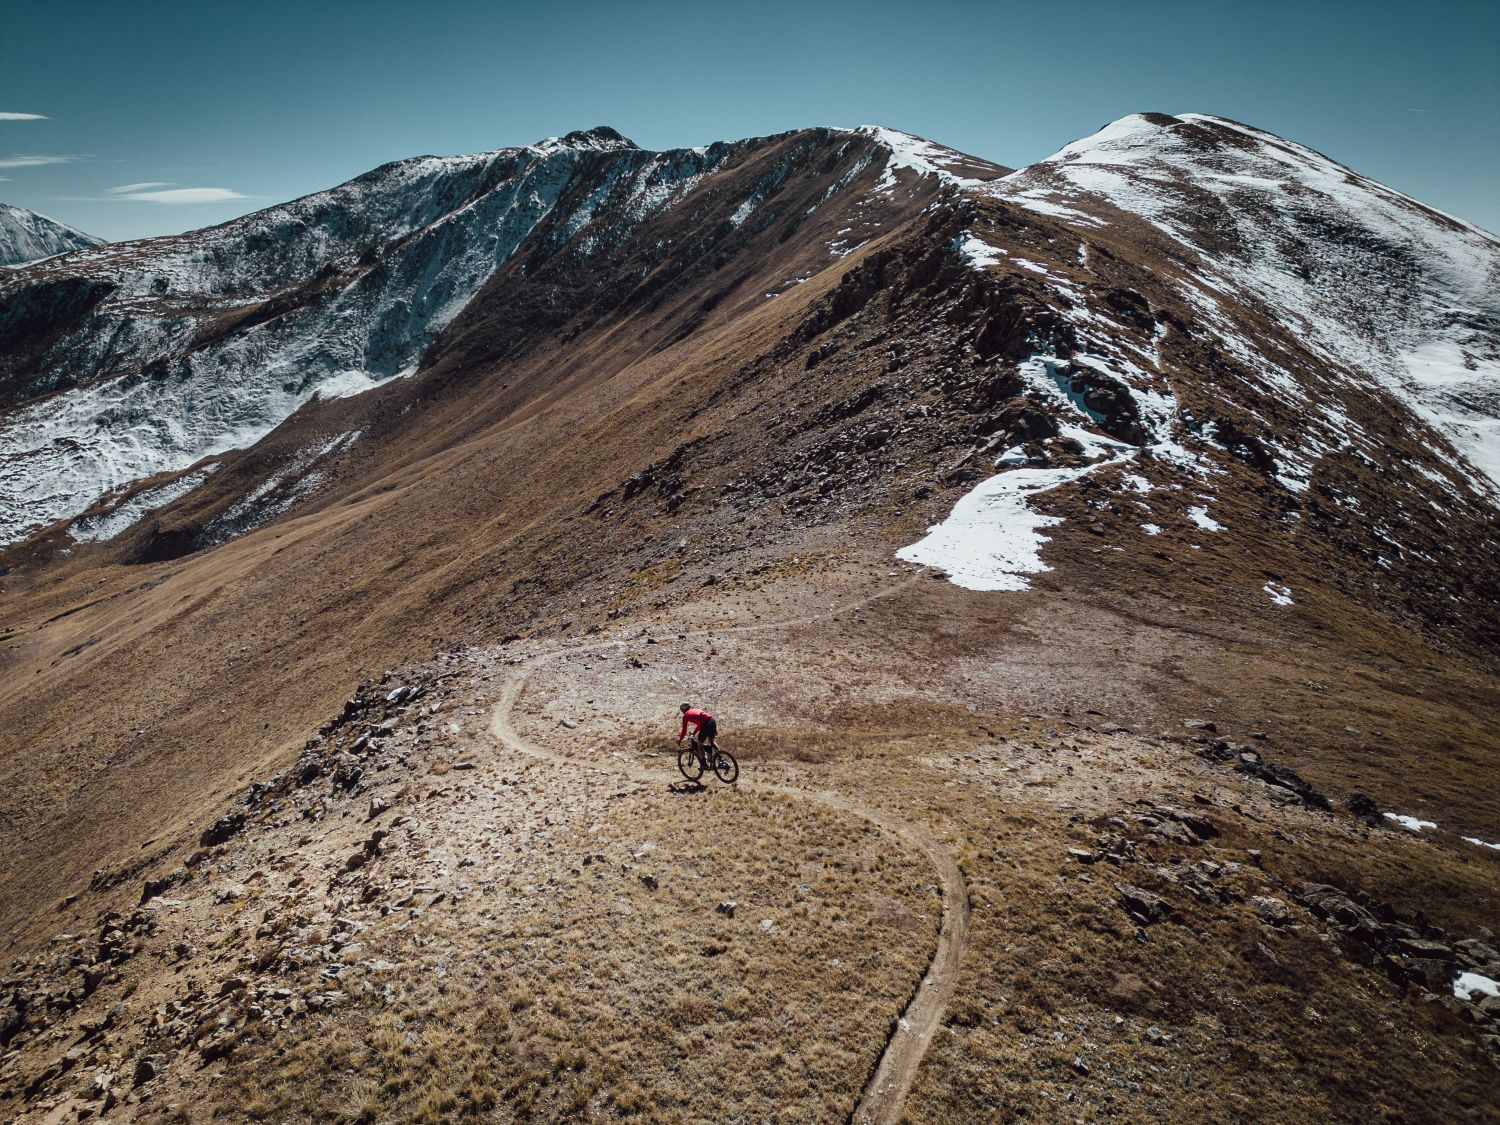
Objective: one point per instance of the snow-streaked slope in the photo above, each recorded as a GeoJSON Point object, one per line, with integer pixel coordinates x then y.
{"type": "Point", "coordinates": [368, 274]}
{"type": "Point", "coordinates": [923, 157]}
{"type": "Point", "coordinates": [139, 359]}
{"type": "Point", "coordinates": [1376, 283]}
{"type": "Point", "coordinates": [26, 236]}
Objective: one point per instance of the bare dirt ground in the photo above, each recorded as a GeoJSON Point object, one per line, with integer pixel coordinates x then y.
{"type": "Point", "coordinates": [1012, 794]}
{"type": "Point", "coordinates": [885, 1093]}
{"type": "Point", "coordinates": [965, 876]}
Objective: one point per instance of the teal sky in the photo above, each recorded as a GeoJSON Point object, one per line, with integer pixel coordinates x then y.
{"type": "Point", "coordinates": [271, 100]}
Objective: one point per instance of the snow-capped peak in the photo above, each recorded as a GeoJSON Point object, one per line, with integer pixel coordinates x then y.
{"type": "Point", "coordinates": [369, 272]}
{"type": "Point", "coordinates": [26, 236]}
{"type": "Point", "coordinates": [601, 138]}
{"type": "Point", "coordinates": [1379, 285]}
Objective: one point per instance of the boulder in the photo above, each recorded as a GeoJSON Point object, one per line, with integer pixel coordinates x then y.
{"type": "Point", "coordinates": [1425, 948]}
{"type": "Point", "coordinates": [1430, 972]}
{"type": "Point", "coordinates": [222, 829]}
{"type": "Point", "coordinates": [1199, 826]}
{"type": "Point", "coordinates": [1251, 766]}
{"type": "Point", "coordinates": [147, 1067]}
{"type": "Point", "coordinates": [1474, 953]}
{"type": "Point", "coordinates": [1271, 911]}
{"type": "Point", "coordinates": [1332, 904]}
{"type": "Point", "coordinates": [12, 1018]}
{"type": "Point", "coordinates": [1141, 904]}
{"type": "Point", "coordinates": [1363, 808]}
{"type": "Point", "coordinates": [153, 887]}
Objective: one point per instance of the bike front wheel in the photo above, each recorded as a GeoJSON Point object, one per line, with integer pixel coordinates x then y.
{"type": "Point", "coordinates": [689, 764]}
{"type": "Point", "coordinates": [726, 769]}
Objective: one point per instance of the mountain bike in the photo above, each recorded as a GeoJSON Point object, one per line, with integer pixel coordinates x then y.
{"type": "Point", "coordinates": [694, 758]}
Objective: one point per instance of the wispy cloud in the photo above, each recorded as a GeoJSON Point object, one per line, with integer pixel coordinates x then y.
{"type": "Point", "coordinates": [127, 189]}
{"type": "Point", "coordinates": [22, 161]}
{"type": "Point", "coordinates": [1411, 110]}
{"type": "Point", "coordinates": [24, 117]}
{"type": "Point", "coordinates": [176, 196]}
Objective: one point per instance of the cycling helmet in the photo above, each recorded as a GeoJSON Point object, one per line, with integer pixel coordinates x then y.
{"type": "Point", "coordinates": [686, 707]}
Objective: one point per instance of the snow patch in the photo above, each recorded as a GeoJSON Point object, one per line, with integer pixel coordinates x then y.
{"type": "Point", "coordinates": [977, 252]}
{"type": "Point", "coordinates": [1410, 823]}
{"type": "Point", "coordinates": [1468, 985]}
{"type": "Point", "coordinates": [1199, 515]}
{"type": "Point", "coordinates": [992, 538]}
{"type": "Point", "coordinates": [917, 155]}
{"type": "Point", "coordinates": [743, 211]}
{"type": "Point", "coordinates": [1279, 595]}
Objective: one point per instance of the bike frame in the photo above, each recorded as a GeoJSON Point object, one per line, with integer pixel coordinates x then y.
{"type": "Point", "coordinates": [702, 751]}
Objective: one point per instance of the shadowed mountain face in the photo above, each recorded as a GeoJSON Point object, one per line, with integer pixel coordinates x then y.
{"type": "Point", "coordinates": [1184, 413]}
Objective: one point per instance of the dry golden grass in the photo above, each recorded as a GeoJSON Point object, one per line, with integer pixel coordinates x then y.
{"type": "Point", "coordinates": [532, 985]}
{"type": "Point", "coordinates": [1058, 997]}
{"type": "Point", "coordinates": [1059, 994]}
{"type": "Point", "coordinates": [596, 998]}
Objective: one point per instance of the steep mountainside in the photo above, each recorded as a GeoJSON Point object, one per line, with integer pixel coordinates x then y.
{"type": "Point", "coordinates": [348, 544]}
{"type": "Point", "coordinates": [1376, 285]}
{"type": "Point", "coordinates": [146, 357]}
{"type": "Point", "coordinates": [26, 236]}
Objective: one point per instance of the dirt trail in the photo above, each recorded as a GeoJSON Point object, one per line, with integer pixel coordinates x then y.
{"type": "Point", "coordinates": [885, 1093]}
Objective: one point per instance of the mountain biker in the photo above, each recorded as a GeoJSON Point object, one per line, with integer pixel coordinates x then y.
{"type": "Point", "coordinates": [705, 728]}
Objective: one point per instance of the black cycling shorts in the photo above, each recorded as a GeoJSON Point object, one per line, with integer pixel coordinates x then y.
{"type": "Point", "coordinates": [708, 731]}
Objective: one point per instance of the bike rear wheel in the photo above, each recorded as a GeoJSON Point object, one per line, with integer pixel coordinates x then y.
{"type": "Point", "coordinates": [689, 764]}
{"type": "Point", "coordinates": [726, 769]}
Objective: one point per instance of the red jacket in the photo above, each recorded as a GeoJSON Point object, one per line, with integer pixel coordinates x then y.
{"type": "Point", "coordinates": [694, 716]}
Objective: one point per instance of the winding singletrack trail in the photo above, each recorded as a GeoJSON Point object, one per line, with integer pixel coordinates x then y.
{"type": "Point", "coordinates": [885, 1093]}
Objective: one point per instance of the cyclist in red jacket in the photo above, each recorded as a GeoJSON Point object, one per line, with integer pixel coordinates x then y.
{"type": "Point", "coordinates": [705, 729]}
